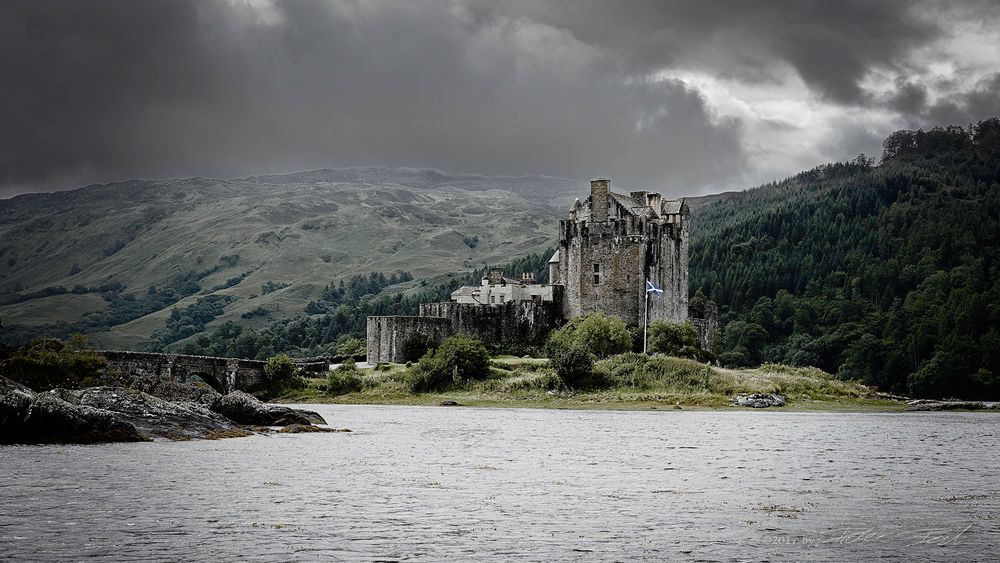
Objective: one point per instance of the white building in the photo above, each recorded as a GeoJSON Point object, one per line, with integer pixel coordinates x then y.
{"type": "Point", "coordinates": [497, 289]}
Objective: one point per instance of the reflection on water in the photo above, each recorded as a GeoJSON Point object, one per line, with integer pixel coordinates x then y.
{"type": "Point", "coordinates": [461, 483]}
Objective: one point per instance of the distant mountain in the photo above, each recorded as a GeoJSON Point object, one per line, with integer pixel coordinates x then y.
{"type": "Point", "coordinates": [114, 260]}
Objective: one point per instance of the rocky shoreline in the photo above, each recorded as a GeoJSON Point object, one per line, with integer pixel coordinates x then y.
{"type": "Point", "coordinates": [162, 411]}
{"type": "Point", "coordinates": [950, 405]}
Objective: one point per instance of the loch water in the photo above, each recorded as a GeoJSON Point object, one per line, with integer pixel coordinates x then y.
{"type": "Point", "coordinates": [457, 483]}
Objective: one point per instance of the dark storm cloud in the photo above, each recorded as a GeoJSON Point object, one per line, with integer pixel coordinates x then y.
{"type": "Point", "coordinates": [104, 90]}
{"type": "Point", "coordinates": [909, 98]}
{"type": "Point", "coordinates": [830, 44]}
{"type": "Point", "coordinates": [100, 90]}
{"type": "Point", "coordinates": [965, 107]}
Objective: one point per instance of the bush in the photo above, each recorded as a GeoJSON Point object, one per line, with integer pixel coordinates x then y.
{"type": "Point", "coordinates": [281, 375]}
{"type": "Point", "coordinates": [280, 367]}
{"type": "Point", "coordinates": [466, 355]}
{"type": "Point", "coordinates": [429, 374]}
{"type": "Point", "coordinates": [673, 339]}
{"type": "Point", "coordinates": [625, 369]}
{"type": "Point", "coordinates": [457, 359]}
{"type": "Point", "coordinates": [574, 365]}
{"type": "Point", "coordinates": [45, 364]}
{"type": "Point", "coordinates": [345, 379]}
{"type": "Point", "coordinates": [601, 335]}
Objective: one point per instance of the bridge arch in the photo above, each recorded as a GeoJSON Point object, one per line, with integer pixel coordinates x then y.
{"type": "Point", "coordinates": [206, 378]}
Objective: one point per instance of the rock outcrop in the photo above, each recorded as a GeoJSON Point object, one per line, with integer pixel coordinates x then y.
{"type": "Point", "coordinates": [158, 418]}
{"type": "Point", "coordinates": [117, 414]}
{"type": "Point", "coordinates": [246, 409]}
{"type": "Point", "coordinates": [306, 428]}
{"type": "Point", "coordinates": [949, 405]}
{"type": "Point", "coordinates": [46, 418]}
{"type": "Point", "coordinates": [759, 400]}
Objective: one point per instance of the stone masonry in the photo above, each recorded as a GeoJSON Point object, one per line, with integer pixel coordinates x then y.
{"type": "Point", "coordinates": [222, 374]}
{"type": "Point", "coordinates": [611, 244]}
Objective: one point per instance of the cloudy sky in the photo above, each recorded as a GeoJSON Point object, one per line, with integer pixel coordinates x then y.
{"type": "Point", "coordinates": [684, 97]}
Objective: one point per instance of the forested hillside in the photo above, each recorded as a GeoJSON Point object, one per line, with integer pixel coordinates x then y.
{"type": "Point", "coordinates": [335, 323]}
{"type": "Point", "coordinates": [888, 273]}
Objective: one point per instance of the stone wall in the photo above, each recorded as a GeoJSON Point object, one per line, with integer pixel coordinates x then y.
{"type": "Point", "coordinates": [706, 323]}
{"type": "Point", "coordinates": [223, 374]}
{"type": "Point", "coordinates": [388, 335]}
{"type": "Point", "coordinates": [525, 322]}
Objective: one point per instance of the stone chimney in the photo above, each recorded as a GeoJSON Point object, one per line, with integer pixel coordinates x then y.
{"type": "Point", "coordinates": [599, 194]}
{"type": "Point", "coordinates": [655, 201]}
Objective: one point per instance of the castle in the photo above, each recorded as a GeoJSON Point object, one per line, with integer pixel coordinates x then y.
{"type": "Point", "coordinates": [612, 244]}
{"type": "Point", "coordinates": [608, 248]}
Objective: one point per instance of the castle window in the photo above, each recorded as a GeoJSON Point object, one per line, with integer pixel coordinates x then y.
{"type": "Point", "coordinates": [597, 274]}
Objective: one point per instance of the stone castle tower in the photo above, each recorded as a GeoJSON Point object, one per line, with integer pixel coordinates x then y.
{"type": "Point", "coordinates": [611, 244]}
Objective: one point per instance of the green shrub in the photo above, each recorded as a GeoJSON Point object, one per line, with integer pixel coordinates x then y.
{"type": "Point", "coordinates": [574, 365]}
{"type": "Point", "coordinates": [345, 379]}
{"type": "Point", "coordinates": [601, 335]}
{"type": "Point", "coordinates": [281, 375]}
{"type": "Point", "coordinates": [672, 373]}
{"type": "Point", "coordinates": [48, 363]}
{"type": "Point", "coordinates": [624, 369]}
{"type": "Point", "coordinates": [458, 359]}
{"type": "Point", "coordinates": [676, 339]}
{"type": "Point", "coordinates": [280, 367]}
{"type": "Point", "coordinates": [429, 374]}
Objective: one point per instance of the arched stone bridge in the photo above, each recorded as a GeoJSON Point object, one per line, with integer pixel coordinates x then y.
{"type": "Point", "coordinates": [222, 374]}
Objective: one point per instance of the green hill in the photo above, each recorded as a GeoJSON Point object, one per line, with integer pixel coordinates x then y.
{"type": "Point", "coordinates": [115, 260]}
{"type": "Point", "coordinates": [888, 274]}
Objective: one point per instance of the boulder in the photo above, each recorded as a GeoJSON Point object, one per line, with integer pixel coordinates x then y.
{"type": "Point", "coordinates": [244, 408]}
{"type": "Point", "coordinates": [27, 417]}
{"type": "Point", "coordinates": [182, 392]}
{"type": "Point", "coordinates": [759, 400]}
{"type": "Point", "coordinates": [302, 428]}
{"type": "Point", "coordinates": [158, 418]}
{"type": "Point", "coordinates": [313, 416]}
{"type": "Point", "coordinates": [949, 405]}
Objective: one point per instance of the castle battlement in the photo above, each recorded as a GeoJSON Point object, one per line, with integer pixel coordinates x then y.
{"type": "Point", "coordinates": [611, 244]}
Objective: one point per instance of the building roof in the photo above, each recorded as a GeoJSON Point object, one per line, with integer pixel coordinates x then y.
{"type": "Point", "coordinates": [555, 257]}
{"type": "Point", "coordinates": [634, 206]}
{"type": "Point", "coordinates": [672, 206]}
{"type": "Point", "coordinates": [466, 290]}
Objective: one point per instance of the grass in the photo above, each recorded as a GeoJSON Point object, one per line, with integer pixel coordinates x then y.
{"type": "Point", "coordinates": [629, 382]}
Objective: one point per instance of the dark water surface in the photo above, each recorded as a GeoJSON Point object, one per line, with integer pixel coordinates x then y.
{"type": "Point", "coordinates": [461, 483]}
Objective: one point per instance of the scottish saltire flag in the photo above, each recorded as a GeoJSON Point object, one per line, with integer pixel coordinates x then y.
{"type": "Point", "coordinates": [653, 288]}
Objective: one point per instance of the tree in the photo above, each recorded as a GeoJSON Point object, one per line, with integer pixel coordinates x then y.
{"type": "Point", "coordinates": [676, 339]}
{"type": "Point", "coordinates": [280, 367]}
{"type": "Point", "coordinates": [601, 335]}
{"type": "Point", "coordinates": [574, 365]}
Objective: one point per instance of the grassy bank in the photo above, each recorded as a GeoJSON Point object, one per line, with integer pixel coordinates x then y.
{"type": "Point", "coordinates": [627, 381]}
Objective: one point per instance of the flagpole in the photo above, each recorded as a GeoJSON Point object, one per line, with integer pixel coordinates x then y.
{"type": "Point", "coordinates": [645, 318]}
